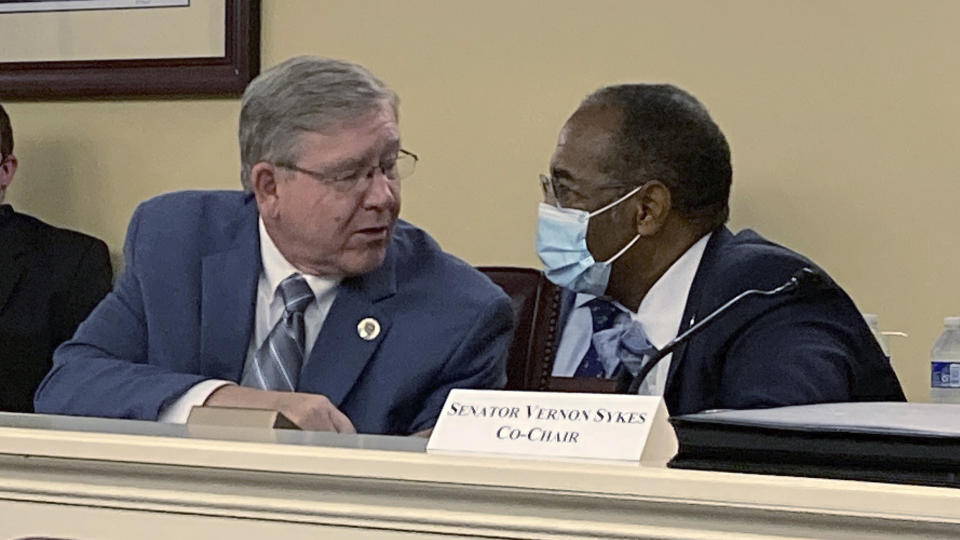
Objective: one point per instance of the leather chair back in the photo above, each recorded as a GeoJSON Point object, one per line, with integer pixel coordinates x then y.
{"type": "Point", "coordinates": [536, 303]}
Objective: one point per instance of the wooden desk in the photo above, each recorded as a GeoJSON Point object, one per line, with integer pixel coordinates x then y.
{"type": "Point", "coordinates": [59, 479]}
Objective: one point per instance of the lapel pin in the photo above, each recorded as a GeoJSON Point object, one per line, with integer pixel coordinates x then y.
{"type": "Point", "coordinates": [368, 329]}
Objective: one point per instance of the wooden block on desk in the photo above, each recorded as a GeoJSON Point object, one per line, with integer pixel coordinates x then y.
{"type": "Point", "coordinates": [239, 417]}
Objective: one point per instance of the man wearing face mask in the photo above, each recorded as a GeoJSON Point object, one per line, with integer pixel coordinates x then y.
{"type": "Point", "coordinates": [634, 213]}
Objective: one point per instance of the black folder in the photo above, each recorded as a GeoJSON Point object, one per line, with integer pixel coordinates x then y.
{"type": "Point", "coordinates": [908, 443]}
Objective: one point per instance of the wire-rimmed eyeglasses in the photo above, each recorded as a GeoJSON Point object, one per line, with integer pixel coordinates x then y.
{"type": "Point", "coordinates": [395, 168]}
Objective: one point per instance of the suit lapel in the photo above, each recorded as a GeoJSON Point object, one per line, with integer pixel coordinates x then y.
{"type": "Point", "coordinates": [228, 300]}
{"type": "Point", "coordinates": [12, 270]}
{"type": "Point", "coordinates": [19, 242]}
{"type": "Point", "coordinates": [691, 312]}
{"type": "Point", "coordinates": [340, 353]}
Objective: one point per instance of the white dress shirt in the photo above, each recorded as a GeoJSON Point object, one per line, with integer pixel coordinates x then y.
{"type": "Point", "coordinates": [659, 315]}
{"type": "Point", "coordinates": [274, 268]}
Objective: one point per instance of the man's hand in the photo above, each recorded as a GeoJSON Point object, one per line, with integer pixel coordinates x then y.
{"type": "Point", "coordinates": [312, 412]}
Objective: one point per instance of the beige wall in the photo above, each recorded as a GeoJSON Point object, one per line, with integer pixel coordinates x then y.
{"type": "Point", "coordinates": [842, 117]}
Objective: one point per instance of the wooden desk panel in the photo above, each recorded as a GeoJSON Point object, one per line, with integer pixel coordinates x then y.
{"type": "Point", "coordinates": [110, 485]}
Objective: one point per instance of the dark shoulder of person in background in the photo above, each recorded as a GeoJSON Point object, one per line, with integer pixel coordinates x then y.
{"type": "Point", "coordinates": [50, 280]}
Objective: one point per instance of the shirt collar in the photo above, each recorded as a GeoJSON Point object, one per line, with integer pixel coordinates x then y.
{"type": "Point", "coordinates": [582, 299]}
{"type": "Point", "coordinates": [276, 267]}
{"type": "Point", "coordinates": [661, 310]}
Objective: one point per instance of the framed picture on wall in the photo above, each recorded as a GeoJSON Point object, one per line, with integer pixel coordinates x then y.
{"type": "Point", "coordinates": [55, 49]}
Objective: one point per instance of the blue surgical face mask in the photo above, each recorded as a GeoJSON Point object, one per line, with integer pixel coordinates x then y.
{"type": "Point", "coordinates": [562, 247]}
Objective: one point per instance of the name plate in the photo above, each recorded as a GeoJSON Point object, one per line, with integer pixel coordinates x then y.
{"type": "Point", "coordinates": [608, 427]}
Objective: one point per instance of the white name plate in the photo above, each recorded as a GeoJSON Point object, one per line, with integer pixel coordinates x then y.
{"type": "Point", "coordinates": [610, 427]}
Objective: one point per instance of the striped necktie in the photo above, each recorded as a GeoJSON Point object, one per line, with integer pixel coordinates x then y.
{"type": "Point", "coordinates": [276, 364]}
{"type": "Point", "coordinates": [604, 316]}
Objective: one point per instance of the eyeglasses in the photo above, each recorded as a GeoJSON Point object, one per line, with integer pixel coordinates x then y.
{"type": "Point", "coordinates": [394, 168]}
{"type": "Point", "coordinates": [549, 188]}
{"type": "Point", "coordinates": [557, 191]}
{"type": "Point", "coordinates": [560, 194]}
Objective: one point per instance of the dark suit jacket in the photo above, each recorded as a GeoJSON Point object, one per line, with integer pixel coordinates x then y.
{"type": "Point", "coordinates": [50, 279]}
{"type": "Point", "coordinates": [766, 352]}
{"type": "Point", "coordinates": [183, 311]}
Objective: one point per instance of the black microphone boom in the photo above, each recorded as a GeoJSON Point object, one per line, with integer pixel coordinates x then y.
{"type": "Point", "coordinates": [803, 280]}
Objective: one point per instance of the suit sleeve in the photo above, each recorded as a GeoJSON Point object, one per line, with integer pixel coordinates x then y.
{"type": "Point", "coordinates": [803, 352]}
{"type": "Point", "coordinates": [479, 361]}
{"type": "Point", "coordinates": [102, 371]}
{"type": "Point", "coordinates": [90, 283]}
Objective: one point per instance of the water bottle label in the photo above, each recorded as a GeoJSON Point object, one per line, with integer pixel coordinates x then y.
{"type": "Point", "coordinates": [945, 374]}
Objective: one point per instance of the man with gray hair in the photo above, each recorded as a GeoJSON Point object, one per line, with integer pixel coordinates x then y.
{"type": "Point", "coordinates": [304, 293]}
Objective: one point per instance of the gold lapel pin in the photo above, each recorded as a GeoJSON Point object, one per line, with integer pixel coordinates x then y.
{"type": "Point", "coordinates": [368, 329]}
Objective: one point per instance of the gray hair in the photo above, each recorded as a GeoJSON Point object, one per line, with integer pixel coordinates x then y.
{"type": "Point", "coordinates": [302, 94]}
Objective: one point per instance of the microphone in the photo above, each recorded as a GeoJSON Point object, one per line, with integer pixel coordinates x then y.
{"type": "Point", "coordinates": [803, 281]}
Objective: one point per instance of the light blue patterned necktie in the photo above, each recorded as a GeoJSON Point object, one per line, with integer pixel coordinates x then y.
{"type": "Point", "coordinates": [604, 316]}
{"type": "Point", "coordinates": [276, 364]}
{"type": "Point", "coordinates": [625, 345]}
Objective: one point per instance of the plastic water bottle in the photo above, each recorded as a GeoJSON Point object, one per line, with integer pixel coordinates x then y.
{"type": "Point", "coordinates": [882, 336]}
{"type": "Point", "coordinates": [945, 364]}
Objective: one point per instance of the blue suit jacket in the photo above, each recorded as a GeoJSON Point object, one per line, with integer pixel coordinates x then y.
{"type": "Point", "coordinates": [770, 351]}
{"type": "Point", "coordinates": [183, 311]}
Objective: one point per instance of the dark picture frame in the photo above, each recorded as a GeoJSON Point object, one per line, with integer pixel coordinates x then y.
{"type": "Point", "coordinates": [225, 75]}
